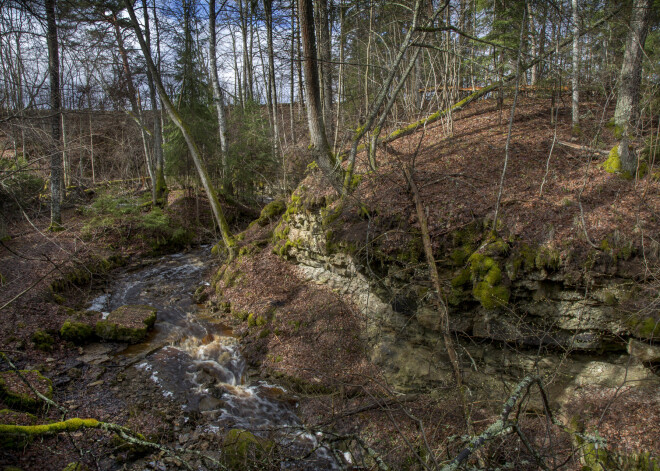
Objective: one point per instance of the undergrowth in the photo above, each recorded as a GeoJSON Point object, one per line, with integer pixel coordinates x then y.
{"type": "Point", "coordinates": [123, 218]}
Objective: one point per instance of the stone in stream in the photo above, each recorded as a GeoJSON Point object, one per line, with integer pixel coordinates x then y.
{"type": "Point", "coordinates": [15, 393]}
{"type": "Point", "coordinates": [128, 323]}
{"type": "Point", "coordinates": [79, 327]}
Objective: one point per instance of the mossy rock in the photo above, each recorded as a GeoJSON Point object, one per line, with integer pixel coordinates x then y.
{"type": "Point", "coordinates": [645, 327]}
{"type": "Point", "coordinates": [128, 323]}
{"type": "Point", "coordinates": [15, 440]}
{"type": "Point", "coordinates": [242, 449]}
{"type": "Point", "coordinates": [271, 211]}
{"type": "Point", "coordinates": [43, 341]}
{"type": "Point", "coordinates": [80, 328]}
{"type": "Point", "coordinates": [16, 393]}
{"type": "Point", "coordinates": [487, 281]}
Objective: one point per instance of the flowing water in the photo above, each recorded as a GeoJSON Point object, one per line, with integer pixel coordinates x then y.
{"type": "Point", "coordinates": [194, 358]}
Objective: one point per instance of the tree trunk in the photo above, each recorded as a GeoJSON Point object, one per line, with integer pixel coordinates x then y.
{"type": "Point", "coordinates": [325, 55]}
{"type": "Point", "coordinates": [272, 91]}
{"type": "Point", "coordinates": [576, 66]}
{"type": "Point", "coordinates": [324, 157]}
{"type": "Point", "coordinates": [627, 111]}
{"type": "Point", "coordinates": [218, 214]}
{"type": "Point", "coordinates": [217, 92]}
{"type": "Point", "coordinates": [55, 123]}
{"type": "Point", "coordinates": [159, 185]}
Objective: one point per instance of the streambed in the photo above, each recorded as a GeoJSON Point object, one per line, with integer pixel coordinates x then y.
{"type": "Point", "coordinates": [196, 362]}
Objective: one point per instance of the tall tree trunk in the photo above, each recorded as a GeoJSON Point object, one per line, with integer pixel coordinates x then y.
{"type": "Point", "coordinates": [576, 66]}
{"type": "Point", "coordinates": [56, 153]}
{"type": "Point", "coordinates": [218, 214]}
{"type": "Point", "coordinates": [217, 92]}
{"type": "Point", "coordinates": [272, 90]}
{"type": "Point", "coordinates": [130, 89]}
{"type": "Point", "coordinates": [324, 157]}
{"type": "Point", "coordinates": [627, 104]}
{"type": "Point", "coordinates": [325, 56]}
{"type": "Point", "coordinates": [159, 186]}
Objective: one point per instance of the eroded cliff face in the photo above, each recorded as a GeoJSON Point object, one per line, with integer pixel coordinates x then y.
{"type": "Point", "coordinates": [514, 310]}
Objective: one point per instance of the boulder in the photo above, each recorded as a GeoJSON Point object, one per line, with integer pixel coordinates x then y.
{"type": "Point", "coordinates": [80, 327]}
{"type": "Point", "coordinates": [128, 323]}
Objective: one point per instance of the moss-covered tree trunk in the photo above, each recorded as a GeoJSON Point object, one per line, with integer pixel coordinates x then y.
{"type": "Point", "coordinates": [627, 111]}
{"type": "Point", "coordinates": [195, 154]}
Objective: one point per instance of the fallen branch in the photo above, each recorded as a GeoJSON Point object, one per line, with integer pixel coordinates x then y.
{"type": "Point", "coordinates": [582, 148]}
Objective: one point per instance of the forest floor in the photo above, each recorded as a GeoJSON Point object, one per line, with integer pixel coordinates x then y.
{"type": "Point", "coordinates": [315, 351]}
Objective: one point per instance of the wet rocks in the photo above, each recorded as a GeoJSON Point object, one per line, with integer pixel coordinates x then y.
{"type": "Point", "coordinates": [128, 323]}
{"type": "Point", "coordinates": [80, 327]}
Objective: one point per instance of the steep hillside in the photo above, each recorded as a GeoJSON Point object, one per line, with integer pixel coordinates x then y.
{"type": "Point", "coordinates": [339, 304]}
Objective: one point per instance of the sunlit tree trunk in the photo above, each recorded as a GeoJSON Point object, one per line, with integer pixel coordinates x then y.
{"type": "Point", "coordinates": [576, 66]}
{"type": "Point", "coordinates": [217, 92]}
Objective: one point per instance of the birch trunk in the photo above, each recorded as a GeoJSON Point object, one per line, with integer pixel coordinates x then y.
{"type": "Point", "coordinates": [217, 92]}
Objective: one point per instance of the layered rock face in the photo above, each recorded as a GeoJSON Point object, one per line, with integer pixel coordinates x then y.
{"type": "Point", "coordinates": [514, 311]}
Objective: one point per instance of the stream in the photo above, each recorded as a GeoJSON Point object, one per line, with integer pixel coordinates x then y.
{"type": "Point", "coordinates": [196, 361]}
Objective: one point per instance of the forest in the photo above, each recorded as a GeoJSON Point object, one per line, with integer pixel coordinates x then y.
{"type": "Point", "coordinates": [329, 235]}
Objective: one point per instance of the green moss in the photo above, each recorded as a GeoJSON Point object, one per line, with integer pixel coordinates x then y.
{"type": "Point", "coordinates": [461, 279]}
{"type": "Point", "coordinates": [613, 162]}
{"type": "Point", "coordinates": [645, 327]}
{"type": "Point", "coordinates": [15, 393]}
{"type": "Point", "coordinates": [43, 341]}
{"type": "Point", "coordinates": [127, 324]}
{"type": "Point", "coordinates": [75, 466]}
{"type": "Point", "coordinates": [256, 320]}
{"type": "Point", "coordinates": [243, 450]}
{"type": "Point", "coordinates": [15, 440]}
{"type": "Point", "coordinates": [609, 298]}
{"type": "Point", "coordinates": [487, 277]}
{"type": "Point", "coordinates": [460, 255]}
{"type": "Point", "coordinates": [491, 296]}
{"type": "Point", "coordinates": [264, 333]}
{"type": "Point", "coordinates": [547, 258]}
{"type": "Point", "coordinates": [241, 315]}
{"type": "Point", "coordinates": [77, 332]}
{"type": "Point", "coordinates": [271, 211]}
